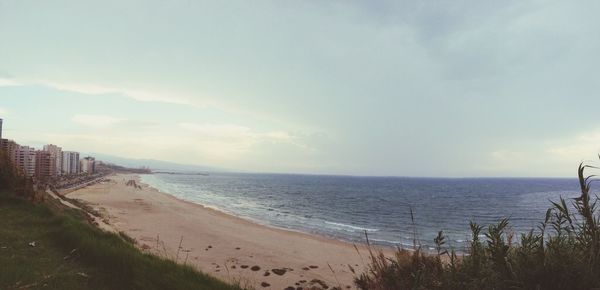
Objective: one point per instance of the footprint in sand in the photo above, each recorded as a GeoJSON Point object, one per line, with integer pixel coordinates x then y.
{"type": "Point", "coordinates": [279, 272]}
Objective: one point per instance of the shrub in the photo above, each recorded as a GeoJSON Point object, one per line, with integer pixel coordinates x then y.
{"type": "Point", "coordinates": [562, 253]}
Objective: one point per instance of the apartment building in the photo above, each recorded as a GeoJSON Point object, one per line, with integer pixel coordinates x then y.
{"type": "Point", "coordinates": [70, 162]}
{"type": "Point", "coordinates": [10, 147]}
{"type": "Point", "coordinates": [1, 140]}
{"type": "Point", "coordinates": [56, 153]}
{"type": "Point", "coordinates": [45, 165]}
{"type": "Point", "coordinates": [88, 165]}
{"type": "Point", "coordinates": [24, 160]}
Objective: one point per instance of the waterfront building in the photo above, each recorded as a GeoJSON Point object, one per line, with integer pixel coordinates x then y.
{"type": "Point", "coordinates": [88, 165]}
{"type": "Point", "coordinates": [45, 165]}
{"type": "Point", "coordinates": [24, 160]}
{"type": "Point", "coordinates": [10, 148]}
{"type": "Point", "coordinates": [70, 162]}
{"type": "Point", "coordinates": [56, 153]}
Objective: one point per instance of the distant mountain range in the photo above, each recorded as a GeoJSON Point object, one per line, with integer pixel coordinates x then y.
{"type": "Point", "coordinates": [155, 165]}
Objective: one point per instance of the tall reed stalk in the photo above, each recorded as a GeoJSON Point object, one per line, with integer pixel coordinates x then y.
{"type": "Point", "coordinates": [563, 252]}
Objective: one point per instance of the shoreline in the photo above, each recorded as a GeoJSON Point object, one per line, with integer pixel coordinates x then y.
{"type": "Point", "coordinates": [221, 244]}
{"type": "Point", "coordinates": [253, 222]}
{"type": "Point", "coordinates": [386, 246]}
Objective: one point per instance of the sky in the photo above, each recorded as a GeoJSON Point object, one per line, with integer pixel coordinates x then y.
{"type": "Point", "coordinates": [394, 88]}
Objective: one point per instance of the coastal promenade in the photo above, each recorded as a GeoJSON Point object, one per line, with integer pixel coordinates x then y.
{"type": "Point", "coordinates": [80, 185]}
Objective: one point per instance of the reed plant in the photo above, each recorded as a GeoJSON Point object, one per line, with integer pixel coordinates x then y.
{"type": "Point", "coordinates": [562, 252]}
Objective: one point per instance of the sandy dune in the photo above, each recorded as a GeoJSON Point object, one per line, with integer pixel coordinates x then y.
{"type": "Point", "coordinates": [222, 245]}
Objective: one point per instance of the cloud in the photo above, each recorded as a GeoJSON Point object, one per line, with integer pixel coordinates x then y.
{"type": "Point", "coordinates": [134, 146]}
{"type": "Point", "coordinates": [95, 89]}
{"type": "Point", "coordinates": [96, 121]}
{"type": "Point", "coordinates": [8, 82]}
{"type": "Point", "coordinates": [231, 141]}
{"type": "Point", "coordinates": [200, 143]}
{"type": "Point", "coordinates": [98, 89]}
{"type": "Point", "coordinates": [580, 147]}
{"type": "Point", "coordinates": [230, 131]}
{"type": "Point", "coordinates": [507, 76]}
{"type": "Point", "coordinates": [218, 130]}
{"type": "Point", "coordinates": [553, 156]}
{"type": "Point", "coordinates": [143, 95]}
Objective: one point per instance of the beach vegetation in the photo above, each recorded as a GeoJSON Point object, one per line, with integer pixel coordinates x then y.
{"type": "Point", "coordinates": [45, 246]}
{"type": "Point", "coordinates": [563, 252]}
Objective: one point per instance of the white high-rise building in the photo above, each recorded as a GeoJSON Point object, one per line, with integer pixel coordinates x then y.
{"type": "Point", "coordinates": [70, 162]}
{"type": "Point", "coordinates": [88, 165]}
{"type": "Point", "coordinates": [0, 133]}
{"type": "Point", "coordinates": [56, 153]}
{"type": "Point", "coordinates": [25, 160]}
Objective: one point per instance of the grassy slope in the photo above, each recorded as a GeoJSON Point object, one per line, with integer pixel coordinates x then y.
{"type": "Point", "coordinates": [100, 260]}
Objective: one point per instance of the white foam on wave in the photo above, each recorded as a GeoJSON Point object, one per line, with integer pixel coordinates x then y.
{"type": "Point", "coordinates": [401, 244]}
{"type": "Point", "coordinates": [351, 227]}
{"type": "Point", "coordinates": [177, 191]}
{"type": "Point", "coordinates": [386, 241]}
{"type": "Point", "coordinates": [239, 208]}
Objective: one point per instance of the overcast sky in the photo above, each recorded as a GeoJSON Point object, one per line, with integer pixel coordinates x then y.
{"type": "Point", "coordinates": [411, 88]}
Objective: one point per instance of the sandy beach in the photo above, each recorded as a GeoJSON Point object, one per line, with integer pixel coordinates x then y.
{"type": "Point", "coordinates": [225, 246]}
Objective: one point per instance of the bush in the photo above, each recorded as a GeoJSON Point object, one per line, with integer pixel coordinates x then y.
{"type": "Point", "coordinates": [562, 253]}
{"type": "Point", "coordinates": [12, 180]}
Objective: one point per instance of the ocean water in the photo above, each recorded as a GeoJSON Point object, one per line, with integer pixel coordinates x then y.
{"type": "Point", "coordinates": [344, 207]}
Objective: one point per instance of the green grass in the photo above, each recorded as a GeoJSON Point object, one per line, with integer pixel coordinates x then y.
{"type": "Point", "coordinates": [71, 254]}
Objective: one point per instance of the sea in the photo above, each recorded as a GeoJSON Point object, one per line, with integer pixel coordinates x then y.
{"type": "Point", "coordinates": [390, 211]}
